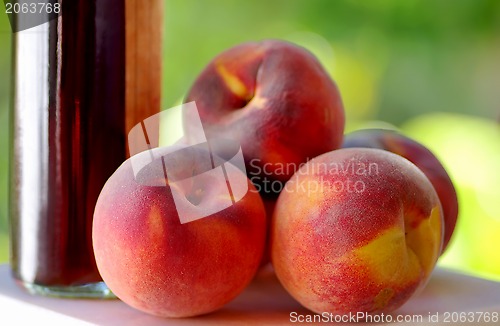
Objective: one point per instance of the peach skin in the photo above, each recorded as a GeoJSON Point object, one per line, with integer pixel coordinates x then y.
{"type": "Point", "coordinates": [356, 230]}
{"type": "Point", "coordinates": [423, 158]}
{"type": "Point", "coordinates": [275, 99]}
{"type": "Point", "coordinates": [154, 263]}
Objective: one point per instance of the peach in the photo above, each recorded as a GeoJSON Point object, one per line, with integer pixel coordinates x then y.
{"type": "Point", "coordinates": [356, 230]}
{"type": "Point", "coordinates": [423, 158]}
{"type": "Point", "coordinates": [276, 100]}
{"type": "Point", "coordinates": [161, 266]}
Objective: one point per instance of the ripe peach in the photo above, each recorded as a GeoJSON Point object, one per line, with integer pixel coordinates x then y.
{"type": "Point", "coordinates": [423, 158]}
{"type": "Point", "coordinates": [156, 264]}
{"type": "Point", "coordinates": [356, 230]}
{"type": "Point", "coordinates": [275, 99]}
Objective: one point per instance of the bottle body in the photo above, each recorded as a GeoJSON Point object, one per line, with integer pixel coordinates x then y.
{"type": "Point", "coordinates": [69, 131]}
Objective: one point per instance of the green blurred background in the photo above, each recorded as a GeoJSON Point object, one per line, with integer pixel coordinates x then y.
{"type": "Point", "coordinates": [430, 68]}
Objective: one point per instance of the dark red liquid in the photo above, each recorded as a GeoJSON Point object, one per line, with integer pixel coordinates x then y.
{"type": "Point", "coordinates": [82, 143]}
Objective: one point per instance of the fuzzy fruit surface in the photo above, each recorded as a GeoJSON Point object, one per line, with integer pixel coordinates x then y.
{"type": "Point", "coordinates": [154, 263]}
{"type": "Point", "coordinates": [273, 97]}
{"type": "Point", "coordinates": [423, 158]}
{"type": "Point", "coordinates": [366, 250]}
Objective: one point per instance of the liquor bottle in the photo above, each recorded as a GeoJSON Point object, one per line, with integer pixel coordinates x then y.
{"type": "Point", "coordinates": [81, 82]}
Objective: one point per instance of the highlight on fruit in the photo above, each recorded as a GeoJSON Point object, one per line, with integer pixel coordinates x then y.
{"type": "Point", "coordinates": [263, 175]}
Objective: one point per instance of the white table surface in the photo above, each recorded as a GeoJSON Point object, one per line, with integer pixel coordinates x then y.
{"type": "Point", "coordinates": [265, 302]}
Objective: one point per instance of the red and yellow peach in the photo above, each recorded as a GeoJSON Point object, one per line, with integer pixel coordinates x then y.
{"type": "Point", "coordinates": [156, 264]}
{"type": "Point", "coordinates": [273, 97]}
{"type": "Point", "coordinates": [356, 230]}
{"type": "Point", "coordinates": [423, 158]}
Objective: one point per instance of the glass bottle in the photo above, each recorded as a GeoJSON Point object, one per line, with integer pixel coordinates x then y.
{"type": "Point", "coordinates": [81, 82]}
